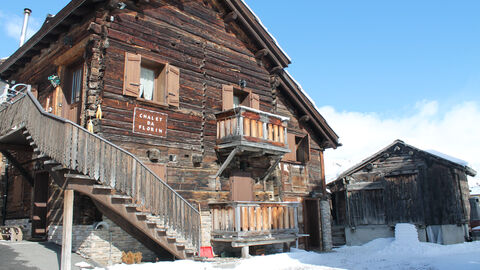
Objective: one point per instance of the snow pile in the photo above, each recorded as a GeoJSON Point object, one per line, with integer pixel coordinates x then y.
{"type": "Point", "coordinates": [402, 252]}
{"type": "Point", "coordinates": [447, 157]}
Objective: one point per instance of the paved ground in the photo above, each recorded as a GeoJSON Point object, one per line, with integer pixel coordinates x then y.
{"type": "Point", "coordinates": [27, 255]}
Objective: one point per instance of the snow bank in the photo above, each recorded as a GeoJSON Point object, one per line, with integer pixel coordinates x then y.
{"type": "Point", "coordinates": [404, 251]}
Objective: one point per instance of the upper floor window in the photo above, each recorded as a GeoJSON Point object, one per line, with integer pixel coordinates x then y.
{"type": "Point", "coordinates": [74, 77]}
{"type": "Point", "coordinates": [150, 80]}
{"type": "Point", "coordinates": [233, 97]}
{"type": "Point", "coordinates": [299, 149]}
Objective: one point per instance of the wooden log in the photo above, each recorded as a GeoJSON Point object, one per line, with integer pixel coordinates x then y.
{"type": "Point", "coordinates": [66, 262]}
{"type": "Point", "coordinates": [244, 218]}
{"type": "Point", "coordinates": [246, 126]}
{"type": "Point", "coordinates": [270, 132]}
{"type": "Point", "coordinates": [274, 218]}
{"type": "Point", "coordinates": [259, 222]}
{"type": "Point", "coordinates": [253, 124]}
{"type": "Point", "coordinates": [251, 218]}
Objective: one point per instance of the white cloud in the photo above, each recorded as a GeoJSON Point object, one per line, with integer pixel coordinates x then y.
{"type": "Point", "coordinates": [455, 132]}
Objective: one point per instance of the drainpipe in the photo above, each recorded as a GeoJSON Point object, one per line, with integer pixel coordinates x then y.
{"type": "Point", "coordinates": [26, 13]}
{"type": "Point", "coordinates": [5, 194]}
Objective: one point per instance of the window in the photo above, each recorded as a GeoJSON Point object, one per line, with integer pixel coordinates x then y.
{"type": "Point", "coordinates": [74, 83]}
{"type": "Point", "coordinates": [149, 80]}
{"type": "Point", "coordinates": [299, 149]}
{"type": "Point", "coordinates": [233, 97]}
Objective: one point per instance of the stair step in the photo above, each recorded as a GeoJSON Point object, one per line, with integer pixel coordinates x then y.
{"type": "Point", "coordinates": [29, 138]}
{"type": "Point", "coordinates": [118, 198]}
{"type": "Point", "coordinates": [51, 162]}
{"type": "Point", "coordinates": [32, 143]}
{"type": "Point", "coordinates": [189, 251]}
{"type": "Point", "coordinates": [26, 133]}
{"type": "Point", "coordinates": [101, 189]}
{"type": "Point", "coordinates": [132, 206]}
{"type": "Point", "coordinates": [141, 216]}
{"type": "Point", "coordinates": [58, 168]}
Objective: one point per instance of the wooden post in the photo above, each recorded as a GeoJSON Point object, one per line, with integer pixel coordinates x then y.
{"type": "Point", "coordinates": [245, 252]}
{"type": "Point", "coordinates": [66, 263]}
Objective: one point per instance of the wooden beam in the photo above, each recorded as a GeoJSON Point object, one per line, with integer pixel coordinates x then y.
{"type": "Point", "coordinates": [227, 161]}
{"type": "Point", "coordinates": [261, 53]}
{"type": "Point", "coordinates": [232, 16]}
{"type": "Point", "coordinates": [66, 263]}
{"type": "Point", "coordinates": [19, 166]}
{"type": "Point", "coordinates": [14, 147]}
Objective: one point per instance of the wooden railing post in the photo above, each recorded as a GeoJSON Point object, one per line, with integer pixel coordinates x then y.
{"type": "Point", "coordinates": [66, 262]}
{"type": "Point", "coordinates": [237, 218]}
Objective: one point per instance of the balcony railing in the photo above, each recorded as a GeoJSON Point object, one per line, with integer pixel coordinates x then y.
{"type": "Point", "coordinates": [235, 220]}
{"type": "Point", "coordinates": [243, 126]}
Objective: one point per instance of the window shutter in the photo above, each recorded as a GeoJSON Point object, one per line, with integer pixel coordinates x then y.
{"type": "Point", "coordinates": [131, 82]}
{"type": "Point", "coordinates": [227, 97]}
{"type": "Point", "coordinates": [173, 85]}
{"type": "Point", "coordinates": [292, 156]}
{"type": "Point", "coordinates": [254, 101]}
{"type": "Point", "coordinates": [303, 150]}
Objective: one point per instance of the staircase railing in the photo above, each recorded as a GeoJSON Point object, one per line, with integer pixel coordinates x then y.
{"type": "Point", "coordinates": [77, 149]}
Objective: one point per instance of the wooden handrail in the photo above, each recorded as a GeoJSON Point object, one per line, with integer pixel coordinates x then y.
{"type": "Point", "coordinates": [77, 149]}
{"type": "Point", "coordinates": [254, 217]}
{"type": "Point", "coordinates": [254, 124]}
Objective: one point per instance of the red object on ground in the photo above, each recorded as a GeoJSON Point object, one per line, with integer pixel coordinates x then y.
{"type": "Point", "coordinates": [206, 252]}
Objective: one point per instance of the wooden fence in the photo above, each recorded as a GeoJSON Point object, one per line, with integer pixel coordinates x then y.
{"type": "Point", "coordinates": [254, 218]}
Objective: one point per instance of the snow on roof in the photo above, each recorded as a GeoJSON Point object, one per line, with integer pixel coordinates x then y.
{"type": "Point", "coordinates": [266, 30]}
{"type": "Point", "coordinates": [447, 157]}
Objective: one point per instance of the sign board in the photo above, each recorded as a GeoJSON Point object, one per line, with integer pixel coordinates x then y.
{"type": "Point", "coordinates": [149, 122]}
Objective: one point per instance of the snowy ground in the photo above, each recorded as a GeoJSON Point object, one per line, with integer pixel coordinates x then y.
{"type": "Point", "coordinates": [405, 252]}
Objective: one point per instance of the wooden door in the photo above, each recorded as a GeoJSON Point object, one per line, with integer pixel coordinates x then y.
{"type": "Point", "coordinates": [242, 187]}
{"type": "Point", "coordinates": [68, 97]}
{"type": "Point", "coordinates": [312, 224]}
{"type": "Point", "coordinates": [40, 197]}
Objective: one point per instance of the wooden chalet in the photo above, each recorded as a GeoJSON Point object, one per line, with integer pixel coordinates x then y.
{"type": "Point", "coordinates": [174, 119]}
{"type": "Point", "coordinates": [402, 184]}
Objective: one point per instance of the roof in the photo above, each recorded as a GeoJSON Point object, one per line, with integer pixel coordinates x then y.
{"type": "Point", "coordinates": [445, 158]}
{"type": "Point", "coordinates": [246, 18]}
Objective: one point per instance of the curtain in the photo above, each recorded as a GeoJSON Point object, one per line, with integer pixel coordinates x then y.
{"type": "Point", "coordinates": [147, 83]}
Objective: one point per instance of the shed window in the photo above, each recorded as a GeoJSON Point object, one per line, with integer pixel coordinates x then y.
{"type": "Point", "coordinates": [150, 80]}
{"type": "Point", "coordinates": [233, 97]}
{"type": "Point", "coordinates": [299, 149]}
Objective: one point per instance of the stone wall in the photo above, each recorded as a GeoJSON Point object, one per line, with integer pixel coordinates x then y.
{"type": "Point", "coordinates": [95, 244]}
{"type": "Point", "coordinates": [23, 223]}
{"type": "Point", "coordinates": [206, 225]}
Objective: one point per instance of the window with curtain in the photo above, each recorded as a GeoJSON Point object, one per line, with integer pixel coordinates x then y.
{"type": "Point", "coordinates": [147, 83]}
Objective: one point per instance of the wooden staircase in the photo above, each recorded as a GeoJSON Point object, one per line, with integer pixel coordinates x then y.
{"type": "Point", "coordinates": [338, 235]}
{"type": "Point", "coordinates": [122, 187]}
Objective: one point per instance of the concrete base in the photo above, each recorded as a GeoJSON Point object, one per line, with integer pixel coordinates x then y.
{"type": "Point", "coordinates": [448, 234]}
{"type": "Point", "coordinates": [364, 234]}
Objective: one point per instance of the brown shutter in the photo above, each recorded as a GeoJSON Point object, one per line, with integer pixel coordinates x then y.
{"type": "Point", "coordinates": [227, 97]}
{"type": "Point", "coordinates": [254, 101]}
{"type": "Point", "coordinates": [131, 82]}
{"type": "Point", "coordinates": [292, 156]}
{"type": "Point", "coordinates": [303, 152]}
{"type": "Point", "coordinates": [173, 85]}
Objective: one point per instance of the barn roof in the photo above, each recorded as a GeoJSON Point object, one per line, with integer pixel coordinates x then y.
{"type": "Point", "coordinates": [245, 18]}
{"type": "Point", "coordinates": [435, 154]}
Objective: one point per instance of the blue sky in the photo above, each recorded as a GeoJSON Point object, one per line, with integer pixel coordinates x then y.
{"type": "Point", "coordinates": [377, 70]}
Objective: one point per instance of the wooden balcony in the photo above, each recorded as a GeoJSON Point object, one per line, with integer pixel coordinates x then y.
{"type": "Point", "coordinates": [251, 130]}
{"type": "Point", "coordinates": [254, 223]}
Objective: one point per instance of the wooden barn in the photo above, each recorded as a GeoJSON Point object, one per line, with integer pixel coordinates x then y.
{"type": "Point", "coordinates": [170, 122]}
{"type": "Point", "coordinates": [402, 184]}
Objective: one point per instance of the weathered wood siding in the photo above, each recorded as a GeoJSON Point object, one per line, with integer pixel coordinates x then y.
{"type": "Point", "coordinates": [404, 185]}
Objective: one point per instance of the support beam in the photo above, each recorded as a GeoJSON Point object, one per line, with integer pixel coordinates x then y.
{"type": "Point", "coordinates": [245, 252]}
{"type": "Point", "coordinates": [227, 161]}
{"type": "Point", "coordinates": [232, 16]}
{"type": "Point", "coordinates": [271, 169]}
{"type": "Point", "coordinates": [18, 166]}
{"type": "Point", "coordinates": [67, 230]}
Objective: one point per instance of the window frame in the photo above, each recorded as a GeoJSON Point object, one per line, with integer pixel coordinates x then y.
{"type": "Point", "coordinates": [70, 70]}
{"type": "Point", "coordinates": [294, 143]}
{"type": "Point", "coordinates": [229, 92]}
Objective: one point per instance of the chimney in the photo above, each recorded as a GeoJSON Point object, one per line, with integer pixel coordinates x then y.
{"type": "Point", "coordinates": [26, 13]}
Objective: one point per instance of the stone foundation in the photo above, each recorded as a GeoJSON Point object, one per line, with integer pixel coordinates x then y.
{"type": "Point", "coordinates": [206, 227]}
{"type": "Point", "coordinates": [24, 224]}
{"type": "Point", "coordinates": [95, 244]}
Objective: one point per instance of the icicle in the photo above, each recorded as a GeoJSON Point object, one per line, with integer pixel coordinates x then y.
{"type": "Point", "coordinates": [98, 115]}
{"type": "Point", "coordinates": [90, 126]}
